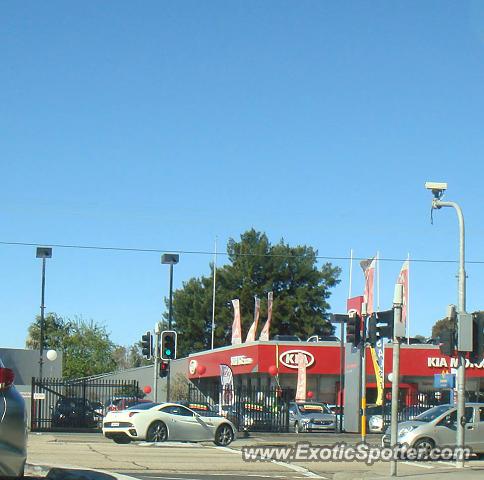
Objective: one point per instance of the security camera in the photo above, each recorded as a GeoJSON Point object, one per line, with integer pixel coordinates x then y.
{"type": "Point", "coordinates": [436, 185]}
{"type": "Point", "coordinates": [437, 188]}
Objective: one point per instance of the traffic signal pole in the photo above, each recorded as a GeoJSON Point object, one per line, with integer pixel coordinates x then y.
{"type": "Point", "coordinates": [156, 362]}
{"type": "Point", "coordinates": [397, 318]}
{"type": "Point", "coordinates": [363, 373]}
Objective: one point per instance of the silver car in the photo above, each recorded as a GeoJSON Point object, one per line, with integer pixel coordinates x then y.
{"type": "Point", "coordinates": [437, 427]}
{"type": "Point", "coordinates": [311, 417]}
{"type": "Point", "coordinates": [13, 427]}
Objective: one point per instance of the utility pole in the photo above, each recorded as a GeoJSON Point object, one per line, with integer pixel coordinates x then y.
{"type": "Point", "coordinates": [43, 253]}
{"type": "Point", "coordinates": [397, 318]}
{"type": "Point", "coordinates": [438, 190]}
{"type": "Point", "coordinates": [156, 363]}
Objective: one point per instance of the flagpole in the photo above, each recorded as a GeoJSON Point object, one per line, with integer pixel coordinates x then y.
{"type": "Point", "coordinates": [351, 273]}
{"type": "Point", "coordinates": [407, 320]}
{"type": "Point", "coordinates": [378, 281]}
{"type": "Point", "coordinates": [213, 293]}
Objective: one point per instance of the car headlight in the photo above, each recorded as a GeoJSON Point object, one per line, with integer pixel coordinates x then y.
{"type": "Point", "coordinates": [403, 431]}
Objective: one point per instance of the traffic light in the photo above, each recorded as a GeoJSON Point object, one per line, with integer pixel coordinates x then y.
{"type": "Point", "coordinates": [447, 342]}
{"type": "Point", "coordinates": [168, 345]}
{"type": "Point", "coordinates": [372, 330]}
{"type": "Point", "coordinates": [477, 353]}
{"type": "Point", "coordinates": [147, 345]}
{"type": "Point", "coordinates": [164, 367]}
{"type": "Point", "coordinates": [385, 324]}
{"type": "Point", "coordinates": [353, 329]}
{"type": "Point", "coordinates": [448, 337]}
{"type": "Point", "coordinates": [380, 325]}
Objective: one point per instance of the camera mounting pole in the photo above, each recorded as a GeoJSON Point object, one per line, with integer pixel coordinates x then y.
{"type": "Point", "coordinates": [438, 191]}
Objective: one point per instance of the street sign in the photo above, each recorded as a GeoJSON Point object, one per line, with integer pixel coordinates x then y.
{"type": "Point", "coordinates": [444, 380]}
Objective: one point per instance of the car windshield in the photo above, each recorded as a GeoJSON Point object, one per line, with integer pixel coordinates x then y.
{"type": "Point", "coordinates": [432, 414]}
{"type": "Point", "coordinates": [309, 408]}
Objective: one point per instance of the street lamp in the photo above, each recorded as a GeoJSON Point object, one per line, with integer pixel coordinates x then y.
{"type": "Point", "coordinates": [438, 190]}
{"type": "Point", "coordinates": [170, 259]}
{"type": "Point", "coordinates": [43, 253]}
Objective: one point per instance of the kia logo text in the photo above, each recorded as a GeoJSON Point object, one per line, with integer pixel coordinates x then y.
{"type": "Point", "coordinates": [289, 358]}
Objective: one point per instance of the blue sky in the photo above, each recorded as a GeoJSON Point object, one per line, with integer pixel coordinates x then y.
{"type": "Point", "coordinates": [165, 124]}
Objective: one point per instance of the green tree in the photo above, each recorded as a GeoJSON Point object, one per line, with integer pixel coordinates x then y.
{"type": "Point", "coordinates": [55, 331]}
{"type": "Point", "coordinates": [440, 325]}
{"type": "Point", "coordinates": [301, 293]}
{"type": "Point", "coordinates": [135, 357]}
{"type": "Point", "coordinates": [86, 346]}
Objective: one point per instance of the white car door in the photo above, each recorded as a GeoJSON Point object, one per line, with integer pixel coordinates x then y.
{"type": "Point", "coordinates": [185, 424]}
{"type": "Point", "coordinates": [472, 434]}
{"type": "Point", "coordinates": [479, 446]}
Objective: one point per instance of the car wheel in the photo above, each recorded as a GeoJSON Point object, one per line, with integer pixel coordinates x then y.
{"type": "Point", "coordinates": [122, 440]}
{"type": "Point", "coordinates": [157, 432]}
{"type": "Point", "coordinates": [297, 429]}
{"type": "Point", "coordinates": [424, 444]}
{"type": "Point", "coordinates": [224, 435]}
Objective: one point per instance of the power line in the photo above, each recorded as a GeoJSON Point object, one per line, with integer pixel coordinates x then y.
{"type": "Point", "coordinates": [205, 252]}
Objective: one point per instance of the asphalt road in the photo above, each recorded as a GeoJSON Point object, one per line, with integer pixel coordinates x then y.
{"type": "Point", "coordinates": [188, 461]}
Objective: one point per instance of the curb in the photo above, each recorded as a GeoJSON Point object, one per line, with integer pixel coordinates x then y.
{"type": "Point", "coordinates": [68, 472]}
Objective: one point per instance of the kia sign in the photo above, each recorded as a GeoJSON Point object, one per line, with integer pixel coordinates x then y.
{"type": "Point", "coordinates": [289, 358]}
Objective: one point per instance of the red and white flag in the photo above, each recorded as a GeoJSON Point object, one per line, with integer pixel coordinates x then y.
{"type": "Point", "coordinates": [403, 279]}
{"type": "Point", "coordinates": [236, 328]}
{"type": "Point", "coordinates": [301, 377]}
{"type": "Point", "coordinates": [368, 267]}
{"type": "Point", "coordinates": [264, 335]}
{"type": "Point", "coordinates": [253, 327]}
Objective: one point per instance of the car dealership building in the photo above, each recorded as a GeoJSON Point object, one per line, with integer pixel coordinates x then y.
{"type": "Point", "coordinates": [259, 365]}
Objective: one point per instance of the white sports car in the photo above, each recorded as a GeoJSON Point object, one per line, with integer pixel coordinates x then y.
{"type": "Point", "coordinates": [167, 421]}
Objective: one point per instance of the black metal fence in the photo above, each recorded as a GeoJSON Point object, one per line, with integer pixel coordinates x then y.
{"type": "Point", "coordinates": [77, 405]}
{"type": "Point", "coordinates": [249, 409]}
{"type": "Point", "coordinates": [412, 404]}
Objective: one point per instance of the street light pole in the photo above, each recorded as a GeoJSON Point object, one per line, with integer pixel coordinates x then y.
{"type": "Point", "coordinates": [170, 310]}
{"type": "Point", "coordinates": [438, 190]}
{"type": "Point", "coordinates": [43, 253]}
{"type": "Point", "coordinates": [170, 259]}
{"type": "Point", "coordinates": [461, 286]}
{"type": "Point", "coordinates": [42, 320]}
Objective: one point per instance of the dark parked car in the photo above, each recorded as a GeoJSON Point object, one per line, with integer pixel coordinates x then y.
{"type": "Point", "coordinates": [74, 412]}
{"type": "Point", "coordinates": [286, 338]}
{"type": "Point", "coordinates": [13, 426]}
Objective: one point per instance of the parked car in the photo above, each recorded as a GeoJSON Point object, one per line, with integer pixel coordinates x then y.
{"type": "Point", "coordinates": [167, 421]}
{"type": "Point", "coordinates": [323, 338]}
{"type": "Point", "coordinates": [308, 417]}
{"type": "Point", "coordinates": [339, 412]}
{"type": "Point", "coordinates": [437, 426]}
{"type": "Point", "coordinates": [13, 426]}
{"type": "Point", "coordinates": [286, 338]}
{"type": "Point", "coordinates": [378, 421]}
{"type": "Point", "coordinates": [375, 417]}
{"type": "Point", "coordinates": [124, 402]}
{"type": "Point", "coordinates": [74, 412]}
